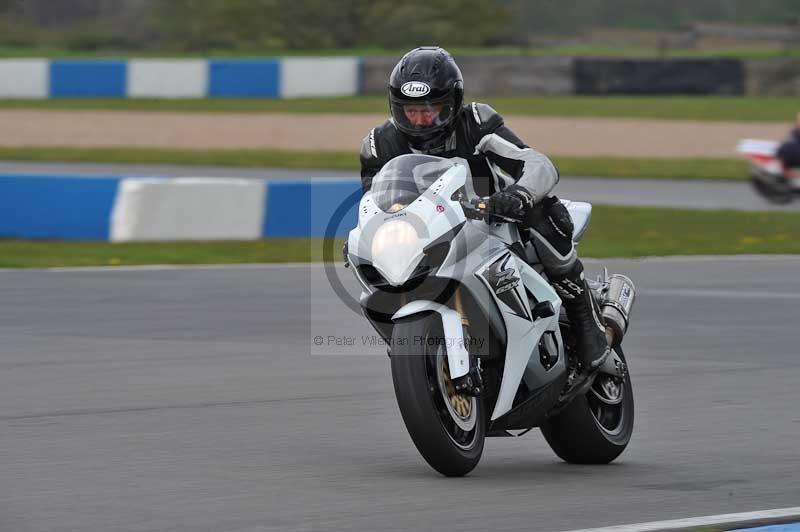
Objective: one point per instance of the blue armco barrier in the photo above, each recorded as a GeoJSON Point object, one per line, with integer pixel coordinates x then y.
{"type": "Point", "coordinates": [89, 78]}
{"type": "Point", "coordinates": [325, 207]}
{"type": "Point", "coordinates": [80, 208]}
{"type": "Point", "coordinates": [244, 78]}
{"type": "Point", "coordinates": [68, 208]}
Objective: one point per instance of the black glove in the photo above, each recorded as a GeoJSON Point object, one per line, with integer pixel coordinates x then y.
{"type": "Point", "coordinates": [513, 202]}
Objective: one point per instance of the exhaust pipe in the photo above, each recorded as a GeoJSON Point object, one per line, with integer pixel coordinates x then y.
{"type": "Point", "coordinates": [616, 308]}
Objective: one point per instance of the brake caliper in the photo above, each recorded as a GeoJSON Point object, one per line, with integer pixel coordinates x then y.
{"type": "Point", "coordinates": [470, 384]}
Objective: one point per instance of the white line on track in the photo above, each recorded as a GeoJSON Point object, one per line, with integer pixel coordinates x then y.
{"type": "Point", "coordinates": [748, 518]}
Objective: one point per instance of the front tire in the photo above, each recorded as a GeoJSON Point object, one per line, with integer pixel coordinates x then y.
{"type": "Point", "coordinates": [591, 430]}
{"type": "Point", "coordinates": [449, 437]}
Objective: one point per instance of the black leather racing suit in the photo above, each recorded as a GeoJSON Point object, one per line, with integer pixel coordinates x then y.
{"type": "Point", "coordinates": [789, 151]}
{"type": "Point", "coordinates": [497, 158]}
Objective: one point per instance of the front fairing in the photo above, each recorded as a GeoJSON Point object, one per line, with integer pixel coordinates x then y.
{"type": "Point", "coordinates": [395, 243]}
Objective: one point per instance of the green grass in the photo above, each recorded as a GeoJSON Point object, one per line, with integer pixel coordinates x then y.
{"type": "Point", "coordinates": [633, 168]}
{"type": "Point", "coordinates": [716, 169]}
{"type": "Point", "coordinates": [615, 232]}
{"type": "Point", "coordinates": [48, 254]}
{"type": "Point", "coordinates": [738, 52]}
{"type": "Point", "coordinates": [637, 232]}
{"type": "Point", "coordinates": [706, 108]}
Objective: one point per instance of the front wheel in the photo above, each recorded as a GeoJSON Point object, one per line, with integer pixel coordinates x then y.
{"type": "Point", "coordinates": [596, 427]}
{"type": "Point", "coordinates": [447, 428]}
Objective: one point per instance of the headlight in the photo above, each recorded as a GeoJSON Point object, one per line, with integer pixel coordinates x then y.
{"type": "Point", "coordinates": [394, 246]}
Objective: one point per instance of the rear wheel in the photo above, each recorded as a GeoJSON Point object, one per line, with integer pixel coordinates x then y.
{"type": "Point", "coordinates": [778, 193]}
{"type": "Point", "coordinates": [596, 427]}
{"type": "Point", "coordinates": [447, 428]}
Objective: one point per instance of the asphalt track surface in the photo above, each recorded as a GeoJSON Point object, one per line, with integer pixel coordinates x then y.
{"type": "Point", "coordinates": [196, 400]}
{"type": "Point", "coordinates": [634, 192]}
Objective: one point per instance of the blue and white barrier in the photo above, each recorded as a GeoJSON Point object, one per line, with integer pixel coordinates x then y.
{"type": "Point", "coordinates": [127, 209]}
{"type": "Point", "coordinates": [315, 208]}
{"type": "Point", "coordinates": [244, 78]}
{"type": "Point", "coordinates": [323, 76]}
{"type": "Point", "coordinates": [180, 78]}
{"type": "Point", "coordinates": [24, 78]}
{"type": "Point", "coordinates": [157, 78]}
{"type": "Point", "coordinates": [97, 78]}
{"type": "Point", "coordinates": [61, 208]}
{"type": "Point", "coordinates": [187, 208]}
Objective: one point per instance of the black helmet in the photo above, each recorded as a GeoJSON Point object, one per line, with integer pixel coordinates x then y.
{"type": "Point", "coordinates": [426, 91]}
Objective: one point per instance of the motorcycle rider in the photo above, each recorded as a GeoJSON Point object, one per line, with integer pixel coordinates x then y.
{"type": "Point", "coordinates": [789, 150]}
{"type": "Point", "coordinates": [428, 116]}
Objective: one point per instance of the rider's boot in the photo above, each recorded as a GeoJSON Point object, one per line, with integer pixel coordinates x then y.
{"type": "Point", "coordinates": [584, 315]}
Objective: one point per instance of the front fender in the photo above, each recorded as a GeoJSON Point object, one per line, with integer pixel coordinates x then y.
{"type": "Point", "coordinates": [457, 354]}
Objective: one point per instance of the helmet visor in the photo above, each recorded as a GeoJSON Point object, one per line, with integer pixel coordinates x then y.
{"type": "Point", "coordinates": [422, 117]}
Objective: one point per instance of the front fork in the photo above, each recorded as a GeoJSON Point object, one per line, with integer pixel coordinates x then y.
{"type": "Point", "coordinates": [470, 384]}
{"type": "Point", "coordinates": [454, 338]}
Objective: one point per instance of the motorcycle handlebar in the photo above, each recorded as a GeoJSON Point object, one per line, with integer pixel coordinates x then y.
{"type": "Point", "coordinates": [476, 210]}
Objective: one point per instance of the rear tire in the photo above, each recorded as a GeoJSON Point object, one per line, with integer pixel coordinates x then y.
{"type": "Point", "coordinates": [589, 431]}
{"type": "Point", "coordinates": [417, 373]}
{"type": "Point", "coordinates": [777, 193]}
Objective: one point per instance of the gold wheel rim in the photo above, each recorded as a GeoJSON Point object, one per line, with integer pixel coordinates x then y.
{"type": "Point", "coordinates": [461, 404]}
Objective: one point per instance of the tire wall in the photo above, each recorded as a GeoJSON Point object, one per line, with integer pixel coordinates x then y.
{"type": "Point", "coordinates": [659, 76]}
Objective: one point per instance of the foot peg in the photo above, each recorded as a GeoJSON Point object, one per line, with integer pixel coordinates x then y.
{"type": "Point", "coordinates": [613, 366]}
{"type": "Point", "coordinates": [578, 383]}
{"type": "Point", "coordinates": [597, 363]}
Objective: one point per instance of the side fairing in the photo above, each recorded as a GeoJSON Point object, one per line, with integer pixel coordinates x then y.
{"type": "Point", "coordinates": [517, 288]}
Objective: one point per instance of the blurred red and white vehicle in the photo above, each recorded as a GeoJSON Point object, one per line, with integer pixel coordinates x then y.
{"type": "Point", "coordinates": [769, 178]}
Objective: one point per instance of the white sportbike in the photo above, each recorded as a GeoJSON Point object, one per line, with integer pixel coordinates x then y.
{"type": "Point", "coordinates": [479, 344]}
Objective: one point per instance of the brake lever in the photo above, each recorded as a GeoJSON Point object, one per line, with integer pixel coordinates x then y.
{"type": "Point", "coordinates": [476, 210]}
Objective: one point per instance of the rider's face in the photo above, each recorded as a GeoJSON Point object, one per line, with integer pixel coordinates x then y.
{"type": "Point", "coordinates": [422, 115]}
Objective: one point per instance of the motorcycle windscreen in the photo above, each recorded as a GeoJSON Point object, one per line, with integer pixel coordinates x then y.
{"type": "Point", "coordinates": [405, 178]}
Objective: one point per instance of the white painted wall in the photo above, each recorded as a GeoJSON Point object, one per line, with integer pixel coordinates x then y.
{"type": "Point", "coordinates": [24, 78]}
{"type": "Point", "coordinates": [159, 78]}
{"type": "Point", "coordinates": [319, 76]}
{"type": "Point", "coordinates": [188, 208]}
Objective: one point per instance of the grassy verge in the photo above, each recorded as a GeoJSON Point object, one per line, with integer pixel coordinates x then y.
{"type": "Point", "coordinates": [711, 108]}
{"type": "Point", "coordinates": [716, 169]}
{"type": "Point", "coordinates": [48, 254]}
{"type": "Point", "coordinates": [615, 232]}
{"type": "Point", "coordinates": [637, 232]}
{"type": "Point", "coordinates": [633, 168]}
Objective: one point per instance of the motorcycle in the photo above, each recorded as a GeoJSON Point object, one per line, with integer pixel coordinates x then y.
{"type": "Point", "coordinates": [478, 341]}
{"type": "Point", "coordinates": [766, 172]}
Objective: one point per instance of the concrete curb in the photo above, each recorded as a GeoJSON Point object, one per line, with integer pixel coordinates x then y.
{"type": "Point", "coordinates": [726, 521]}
